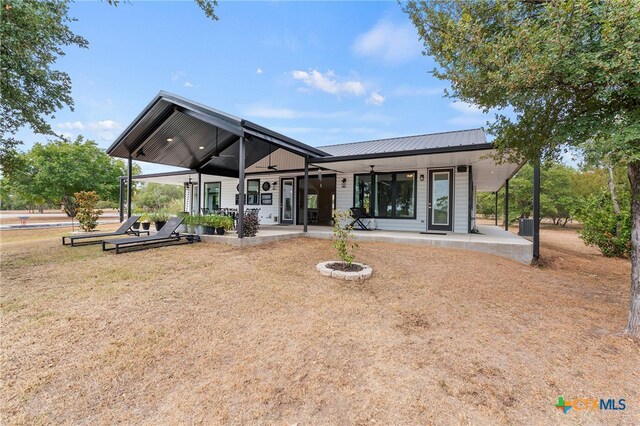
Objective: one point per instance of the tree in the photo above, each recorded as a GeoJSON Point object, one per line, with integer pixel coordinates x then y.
{"type": "Point", "coordinates": [34, 34]}
{"type": "Point", "coordinates": [87, 213]}
{"type": "Point", "coordinates": [54, 172]}
{"type": "Point", "coordinates": [567, 72]}
{"type": "Point", "coordinates": [157, 196]}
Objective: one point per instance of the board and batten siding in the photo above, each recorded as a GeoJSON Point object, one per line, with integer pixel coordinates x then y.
{"type": "Point", "coordinates": [270, 214]}
{"type": "Point", "coordinates": [461, 202]}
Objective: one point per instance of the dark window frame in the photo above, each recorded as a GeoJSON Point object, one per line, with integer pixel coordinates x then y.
{"type": "Point", "coordinates": [219, 193]}
{"type": "Point", "coordinates": [257, 194]}
{"type": "Point", "coordinates": [374, 195]}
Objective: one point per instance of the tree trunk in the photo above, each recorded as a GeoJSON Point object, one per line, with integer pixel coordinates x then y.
{"type": "Point", "coordinates": [633, 326]}
{"type": "Point", "coordinates": [614, 198]}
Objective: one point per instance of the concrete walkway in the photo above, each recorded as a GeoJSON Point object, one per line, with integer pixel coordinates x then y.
{"type": "Point", "coordinates": [491, 239]}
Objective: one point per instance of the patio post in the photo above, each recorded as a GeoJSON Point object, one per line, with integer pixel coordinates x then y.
{"type": "Point", "coordinates": [506, 205]}
{"type": "Point", "coordinates": [199, 193]}
{"type": "Point", "coordinates": [496, 219]}
{"type": "Point", "coordinates": [305, 219]}
{"type": "Point", "coordinates": [536, 211]}
{"type": "Point", "coordinates": [241, 187]}
{"type": "Point", "coordinates": [121, 200]}
{"type": "Point", "coordinates": [129, 173]}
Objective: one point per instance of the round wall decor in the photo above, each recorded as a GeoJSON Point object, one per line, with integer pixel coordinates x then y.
{"type": "Point", "coordinates": [266, 186]}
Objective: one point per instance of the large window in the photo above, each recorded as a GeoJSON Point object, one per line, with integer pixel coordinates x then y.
{"type": "Point", "coordinates": [253, 191]}
{"type": "Point", "coordinates": [392, 195]}
{"type": "Point", "coordinates": [212, 196]}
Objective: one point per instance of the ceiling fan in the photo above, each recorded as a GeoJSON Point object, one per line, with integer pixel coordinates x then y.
{"type": "Point", "coordinates": [269, 167]}
{"type": "Point", "coordinates": [216, 153]}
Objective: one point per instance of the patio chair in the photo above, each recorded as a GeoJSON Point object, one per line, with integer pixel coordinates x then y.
{"type": "Point", "coordinates": [358, 214]}
{"type": "Point", "coordinates": [124, 229]}
{"type": "Point", "coordinates": [166, 236]}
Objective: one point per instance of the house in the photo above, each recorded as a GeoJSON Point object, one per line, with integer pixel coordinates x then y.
{"type": "Point", "coordinates": [423, 183]}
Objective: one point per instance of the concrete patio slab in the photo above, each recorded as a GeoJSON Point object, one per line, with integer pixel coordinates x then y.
{"type": "Point", "coordinates": [490, 239]}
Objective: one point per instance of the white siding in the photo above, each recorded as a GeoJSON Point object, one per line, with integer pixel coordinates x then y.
{"type": "Point", "coordinates": [461, 202]}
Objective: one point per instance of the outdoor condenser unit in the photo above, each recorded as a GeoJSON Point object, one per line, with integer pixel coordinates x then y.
{"type": "Point", "coordinates": [526, 227]}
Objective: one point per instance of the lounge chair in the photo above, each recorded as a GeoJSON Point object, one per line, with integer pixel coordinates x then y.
{"type": "Point", "coordinates": [166, 236]}
{"type": "Point", "coordinates": [125, 229]}
{"type": "Point", "coordinates": [358, 214]}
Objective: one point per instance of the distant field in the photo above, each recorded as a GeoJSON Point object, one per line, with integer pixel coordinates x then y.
{"type": "Point", "coordinates": [10, 217]}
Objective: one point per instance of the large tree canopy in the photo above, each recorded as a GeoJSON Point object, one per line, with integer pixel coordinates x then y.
{"type": "Point", "coordinates": [34, 34]}
{"type": "Point", "coordinates": [560, 72]}
{"type": "Point", "coordinates": [55, 171]}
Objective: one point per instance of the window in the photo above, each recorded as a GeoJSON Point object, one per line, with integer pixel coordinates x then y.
{"type": "Point", "coordinates": [363, 192]}
{"type": "Point", "coordinates": [212, 196]}
{"type": "Point", "coordinates": [253, 191]}
{"type": "Point", "coordinates": [392, 195]}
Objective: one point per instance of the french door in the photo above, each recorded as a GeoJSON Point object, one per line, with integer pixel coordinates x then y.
{"type": "Point", "coordinates": [440, 207]}
{"type": "Point", "coordinates": [286, 201]}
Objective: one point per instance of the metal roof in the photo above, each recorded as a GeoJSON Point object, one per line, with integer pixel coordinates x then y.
{"type": "Point", "coordinates": [175, 131]}
{"type": "Point", "coordinates": [459, 138]}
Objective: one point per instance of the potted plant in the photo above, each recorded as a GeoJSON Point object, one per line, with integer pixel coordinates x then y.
{"type": "Point", "coordinates": [224, 223]}
{"type": "Point", "coordinates": [208, 224]}
{"type": "Point", "coordinates": [144, 220]}
{"type": "Point", "coordinates": [159, 219]}
{"type": "Point", "coordinates": [136, 225]}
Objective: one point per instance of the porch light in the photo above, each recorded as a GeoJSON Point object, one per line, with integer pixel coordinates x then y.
{"type": "Point", "coordinates": [169, 139]}
{"type": "Point", "coordinates": [201, 147]}
{"type": "Point", "coordinates": [421, 178]}
{"type": "Point", "coordinates": [344, 182]}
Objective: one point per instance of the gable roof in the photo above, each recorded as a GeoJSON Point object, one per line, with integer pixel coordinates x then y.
{"type": "Point", "coordinates": [432, 141]}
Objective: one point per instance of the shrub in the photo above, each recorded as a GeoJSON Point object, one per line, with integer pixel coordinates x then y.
{"type": "Point", "coordinates": [602, 228]}
{"type": "Point", "coordinates": [251, 224]}
{"type": "Point", "coordinates": [226, 222]}
{"type": "Point", "coordinates": [159, 216]}
{"type": "Point", "coordinates": [343, 238]}
{"type": "Point", "coordinates": [86, 211]}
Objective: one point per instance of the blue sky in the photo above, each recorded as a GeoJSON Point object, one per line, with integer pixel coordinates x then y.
{"type": "Point", "coordinates": [320, 72]}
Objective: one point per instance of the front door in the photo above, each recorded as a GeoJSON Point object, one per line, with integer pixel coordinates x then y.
{"type": "Point", "coordinates": [440, 207]}
{"type": "Point", "coordinates": [286, 201]}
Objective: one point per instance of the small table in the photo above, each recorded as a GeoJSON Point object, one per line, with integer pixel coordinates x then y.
{"type": "Point", "coordinates": [23, 220]}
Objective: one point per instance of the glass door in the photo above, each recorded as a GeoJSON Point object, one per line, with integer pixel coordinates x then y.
{"type": "Point", "coordinates": [195, 199]}
{"type": "Point", "coordinates": [212, 196]}
{"type": "Point", "coordinates": [440, 208]}
{"type": "Point", "coordinates": [286, 201]}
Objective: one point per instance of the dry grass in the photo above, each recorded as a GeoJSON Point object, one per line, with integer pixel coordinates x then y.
{"type": "Point", "coordinates": [214, 334]}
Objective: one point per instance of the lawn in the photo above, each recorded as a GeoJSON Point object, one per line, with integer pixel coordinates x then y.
{"type": "Point", "coordinates": [215, 334]}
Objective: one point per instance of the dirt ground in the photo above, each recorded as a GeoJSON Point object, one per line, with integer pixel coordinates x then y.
{"type": "Point", "coordinates": [210, 334]}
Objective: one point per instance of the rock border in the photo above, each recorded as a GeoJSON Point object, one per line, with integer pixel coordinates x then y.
{"type": "Point", "coordinates": [365, 273]}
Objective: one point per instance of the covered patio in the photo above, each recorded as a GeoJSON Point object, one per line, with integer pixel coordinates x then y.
{"type": "Point", "coordinates": [177, 132]}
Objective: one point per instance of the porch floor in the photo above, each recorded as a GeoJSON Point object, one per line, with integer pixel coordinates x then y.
{"type": "Point", "coordinates": [491, 239]}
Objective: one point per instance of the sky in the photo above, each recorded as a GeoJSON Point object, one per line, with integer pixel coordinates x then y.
{"type": "Point", "coordinates": [320, 72]}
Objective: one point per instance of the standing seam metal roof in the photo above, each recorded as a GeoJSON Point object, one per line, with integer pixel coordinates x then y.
{"type": "Point", "coordinates": [409, 143]}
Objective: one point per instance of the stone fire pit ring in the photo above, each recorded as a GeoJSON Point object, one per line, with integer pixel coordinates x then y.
{"type": "Point", "coordinates": [324, 270]}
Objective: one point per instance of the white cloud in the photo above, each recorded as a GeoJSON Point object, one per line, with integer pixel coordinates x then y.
{"type": "Point", "coordinates": [68, 125]}
{"type": "Point", "coordinates": [101, 130]}
{"type": "Point", "coordinates": [177, 75]}
{"type": "Point", "coordinates": [259, 71]}
{"type": "Point", "coordinates": [375, 99]}
{"type": "Point", "coordinates": [470, 114]}
{"type": "Point", "coordinates": [390, 42]}
{"type": "Point", "coordinates": [104, 125]}
{"type": "Point", "coordinates": [329, 83]}
{"type": "Point", "coordinates": [188, 84]}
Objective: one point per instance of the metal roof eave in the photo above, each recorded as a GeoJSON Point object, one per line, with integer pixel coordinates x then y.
{"type": "Point", "coordinates": [281, 140]}
{"type": "Point", "coordinates": [391, 154]}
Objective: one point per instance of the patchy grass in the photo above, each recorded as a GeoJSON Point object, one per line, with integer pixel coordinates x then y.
{"type": "Point", "coordinates": [215, 334]}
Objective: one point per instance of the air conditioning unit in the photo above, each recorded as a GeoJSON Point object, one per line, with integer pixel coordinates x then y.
{"type": "Point", "coordinates": [525, 227]}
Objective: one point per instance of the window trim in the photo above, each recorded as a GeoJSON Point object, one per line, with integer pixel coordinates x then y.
{"type": "Point", "coordinates": [257, 203]}
{"type": "Point", "coordinates": [219, 193]}
{"type": "Point", "coordinates": [374, 195]}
